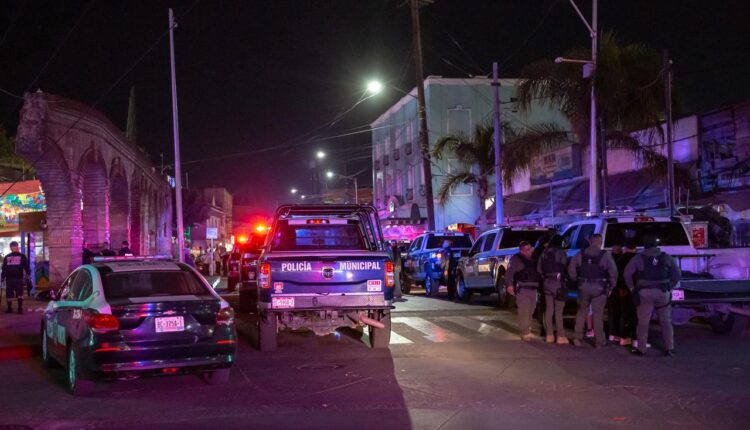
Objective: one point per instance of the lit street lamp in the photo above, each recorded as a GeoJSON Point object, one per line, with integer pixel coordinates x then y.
{"type": "Point", "coordinates": [374, 87]}
{"type": "Point", "coordinates": [321, 155]}
{"type": "Point", "coordinates": [293, 191]}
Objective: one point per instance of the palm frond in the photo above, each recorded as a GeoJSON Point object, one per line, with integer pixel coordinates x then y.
{"type": "Point", "coordinates": [452, 181]}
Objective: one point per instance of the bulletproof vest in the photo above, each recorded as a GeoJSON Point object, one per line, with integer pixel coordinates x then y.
{"type": "Point", "coordinates": [655, 270]}
{"type": "Point", "coordinates": [591, 267]}
{"type": "Point", "coordinates": [550, 263]}
{"type": "Point", "coordinates": [528, 273]}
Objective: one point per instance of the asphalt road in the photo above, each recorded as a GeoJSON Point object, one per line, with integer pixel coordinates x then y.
{"type": "Point", "coordinates": [450, 366]}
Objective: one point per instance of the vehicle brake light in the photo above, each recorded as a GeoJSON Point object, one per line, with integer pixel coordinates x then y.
{"type": "Point", "coordinates": [102, 323]}
{"type": "Point", "coordinates": [242, 239]}
{"type": "Point", "coordinates": [264, 279]}
{"type": "Point", "coordinates": [644, 219]}
{"type": "Point", "coordinates": [317, 221]}
{"type": "Point", "coordinates": [439, 256]}
{"type": "Point", "coordinates": [390, 276]}
{"type": "Point", "coordinates": [225, 316]}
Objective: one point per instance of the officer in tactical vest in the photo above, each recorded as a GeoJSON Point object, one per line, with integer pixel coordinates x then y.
{"type": "Point", "coordinates": [596, 273]}
{"type": "Point", "coordinates": [650, 276]}
{"type": "Point", "coordinates": [552, 266]}
{"type": "Point", "coordinates": [522, 281]}
{"type": "Point", "coordinates": [15, 272]}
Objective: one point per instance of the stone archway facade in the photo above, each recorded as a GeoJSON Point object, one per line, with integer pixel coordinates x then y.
{"type": "Point", "coordinates": [95, 182]}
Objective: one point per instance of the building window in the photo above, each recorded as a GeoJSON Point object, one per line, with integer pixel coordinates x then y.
{"type": "Point", "coordinates": [397, 153]}
{"type": "Point", "coordinates": [407, 148]}
{"type": "Point", "coordinates": [459, 121]}
{"type": "Point", "coordinates": [399, 183]}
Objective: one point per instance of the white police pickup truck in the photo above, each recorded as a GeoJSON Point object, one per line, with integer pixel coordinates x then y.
{"type": "Point", "coordinates": [720, 296]}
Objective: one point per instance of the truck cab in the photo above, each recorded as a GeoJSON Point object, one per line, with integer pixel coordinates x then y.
{"type": "Point", "coordinates": [424, 263]}
{"type": "Point", "coordinates": [323, 267]}
{"type": "Point", "coordinates": [483, 268]}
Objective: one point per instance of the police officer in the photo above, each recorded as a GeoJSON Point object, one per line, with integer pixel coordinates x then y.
{"type": "Point", "coordinates": [107, 251]}
{"type": "Point", "coordinates": [522, 281]}
{"type": "Point", "coordinates": [595, 272]}
{"type": "Point", "coordinates": [448, 265]}
{"type": "Point", "coordinates": [552, 266]}
{"type": "Point", "coordinates": [651, 275]}
{"type": "Point", "coordinates": [15, 272]}
{"type": "Point", "coordinates": [125, 249]}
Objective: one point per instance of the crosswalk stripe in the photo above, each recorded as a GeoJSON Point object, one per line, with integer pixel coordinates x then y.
{"type": "Point", "coordinates": [397, 339]}
{"type": "Point", "coordinates": [480, 327]}
{"type": "Point", "coordinates": [432, 332]}
{"type": "Point", "coordinates": [508, 326]}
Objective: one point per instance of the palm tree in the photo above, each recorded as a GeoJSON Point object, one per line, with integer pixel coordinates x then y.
{"type": "Point", "coordinates": [630, 97]}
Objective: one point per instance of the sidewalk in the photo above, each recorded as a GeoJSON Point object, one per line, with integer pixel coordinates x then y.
{"type": "Point", "coordinates": [19, 334]}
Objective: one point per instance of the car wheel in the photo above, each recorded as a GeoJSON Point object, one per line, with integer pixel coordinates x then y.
{"type": "Point", "coordinates": [431, 286]}
{"type": "Point", "coordinates": [46, 357]}
{"type": "Point", "coordinates": [380, 338]}
{"type": "Point", "coordinates": [463, 294]}
{"type": "Point", "coordinates": [231, 284]}
{"type": "Point", "coordinates": [728, 324]}
{"type": "Point", "coordinates": [247, 299]}
{"type": "Point", "coordinates": [77, 385]}
{"type": "Point", "coordinates": [405, 283]}
{"type": "Point", "coordinates": [267, 332]}
{"type": "Point", "coordinates": [502, 294]}
{"type": "Point", "coordinates": [217, 377]}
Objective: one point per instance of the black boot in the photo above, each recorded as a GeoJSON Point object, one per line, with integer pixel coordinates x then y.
{"type": "Point", "coordinates": [20, 306]}
{"type": "Point", "coordinates": [9, 310]}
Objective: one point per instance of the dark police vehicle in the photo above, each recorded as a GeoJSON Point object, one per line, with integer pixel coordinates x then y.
{"type": "Point", "coordinates": [425, 263]}
{"type": "Point", "coordinates": [123, 317]}
{"type": "Point", "coordinates": [325, 267]}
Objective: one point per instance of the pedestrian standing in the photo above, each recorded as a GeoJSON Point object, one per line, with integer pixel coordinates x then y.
{"type": "Point", "coordinates": [522, 281]}
{"type": "Point", "coordinates": [651, 276]}
{"type": "Point", "coordinates": [107, 251]}
{"type": "Point", "coordinates": [125, 250]}
{"type": "Point", "coordinates": [595, 272]}
{"type": "Point", "coordinates": [217, 261]}
{"type": "Point", "coordinates": [396, 258]}
{"type": "Point", "coordinates": [552, 265]}
{"type": "Point", "coordinates": [449, 264]}
{"type": "Point", "coordinates": [87, 255]}
{"type": "Point", "coordinates": [621, 317]}
{"type": "Point", "coordinates": [15, 272]}
{"type": "Point", "coordinates": [210, 261]}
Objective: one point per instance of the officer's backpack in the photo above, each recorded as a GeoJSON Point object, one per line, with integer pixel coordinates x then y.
{"type": "Point", "coordinates": [655, 269]}
{"type": "Point", "coordinates": [591, 266]}
{"type": "Point", "coordinates": [550, 263]}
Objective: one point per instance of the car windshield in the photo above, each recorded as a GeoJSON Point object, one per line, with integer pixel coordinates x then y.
{"type": "Point", "coordinates": [668, 233]}
{"type": "Point", "coordinates": [511, 238]}
{"type": "Point", "coordinates": [309, 236]}
{"type": "Point", "coordinates": [457, 241]}
{"type": "Point", "coordinates": [123, 285]}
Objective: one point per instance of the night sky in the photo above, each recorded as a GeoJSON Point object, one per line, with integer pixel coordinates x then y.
{"type": "Point", "coordinates": [258, 79]}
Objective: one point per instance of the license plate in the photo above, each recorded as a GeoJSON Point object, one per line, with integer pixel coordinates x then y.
{"type": "Point", "coordinates": [282, 302]}
{"type": "Point", "coordinates": [169, 324]}
{"type": "Point", "coordinates": [678, 295]}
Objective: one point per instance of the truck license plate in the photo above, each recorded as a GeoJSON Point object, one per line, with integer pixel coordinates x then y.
{"type": "Point", "coordinates": [678, 295]}
{"type": "Point", "coordinates": [282, 302]}
{"type": "Point", "coordinates": [169, 324]}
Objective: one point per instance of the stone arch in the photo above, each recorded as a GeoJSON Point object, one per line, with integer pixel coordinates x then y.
{"type": "Point", "coordinates": [119, 210]}
{"type": "Point", "coordinates": [152, 223]}
{"type": "Point", "coordinates": [136, 230]}
{"type": "Point", "coordinates": [94, 186]}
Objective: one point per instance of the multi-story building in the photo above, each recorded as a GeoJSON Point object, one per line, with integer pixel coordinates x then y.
{"type": "Point", "coordinates": [219, 217]}
{"type": "Point", "coordinates": [453, 106]}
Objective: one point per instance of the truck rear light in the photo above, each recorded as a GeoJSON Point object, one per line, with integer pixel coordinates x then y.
{"type": "Point", "coordinates": [390, 276]}
{"type": "Point", "coordinates": [264, 280]}
{"type": "Point", "coordinates": [439, 256]}
{"type": "Point", "coordinates": [225, 317]}
{"type": "Point", "coordinates": [102, 323]}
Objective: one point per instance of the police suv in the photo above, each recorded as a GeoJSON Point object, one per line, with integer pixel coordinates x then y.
{"type": "Point", "coordinates": [123, 317]}
{"type": "Point", "coordinates": [325, 267]}
{"type": "Point", "coordinates": [483, 269]}
{"type": "Point", "coordinates": [425, 261]}
{"type": "Point", "coordinates": [702, 292]}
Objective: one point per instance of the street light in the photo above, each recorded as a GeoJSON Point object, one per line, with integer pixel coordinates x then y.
{"type": "Point", "coordinates": [330, 174]}
{"type": "Point", "coordinates": [293, 191]}
{"type": "Point", "coordinates": [321, 155]}
{"type": "Point", "coordinates": [374, 87]}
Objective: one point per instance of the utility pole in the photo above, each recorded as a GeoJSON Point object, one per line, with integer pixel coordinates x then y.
{"type": "Point", "coordinates": [176, 131]}
{"type": "Point", "coordinates": [423, 137]}
{"type": "Point", "coordinates": [593, 184]}
{"type": "Point", "coordinates": [604, 201]}
{"type": "Point", "coordinates": [667, 71]}
{"type": "Point", "coordinates": [498, 142]}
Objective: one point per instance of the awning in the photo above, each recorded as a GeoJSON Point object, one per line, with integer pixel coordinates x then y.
{"type": "Point", "coordinates": [632, 190]}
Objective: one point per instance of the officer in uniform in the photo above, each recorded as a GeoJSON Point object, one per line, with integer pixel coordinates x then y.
{"type": "Point", "coordinates": [650, 276]}
{"type": "Point", "coordinates": [15, 271]}
{"type": "Point", "coordinates": [522, 281]}
{"type": "Point", "coordinates": [552, 266]}
{"type": "Point", "coordinates": [595, 272]}
{"type": "Point", "coordinates": [449, 264]}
